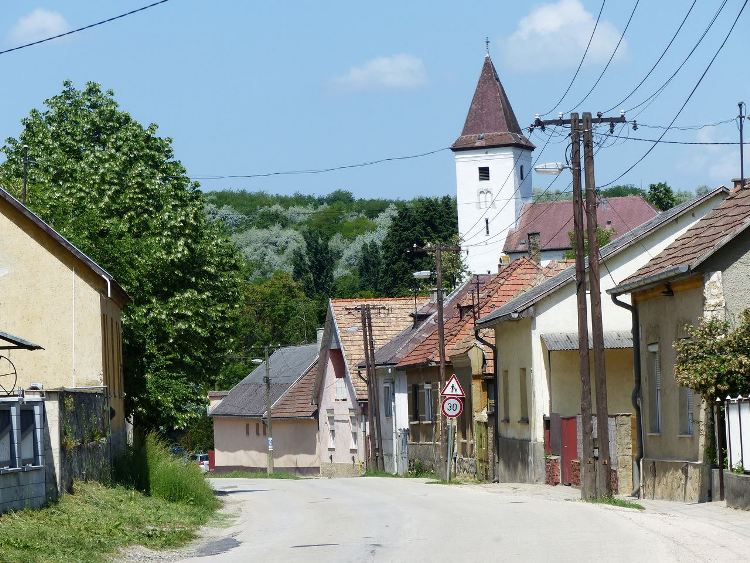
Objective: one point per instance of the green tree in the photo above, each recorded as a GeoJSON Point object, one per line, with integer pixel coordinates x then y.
{"type": "Point", "coordinates": [661, 196]}
{"type": "Point", "coordinates": [370, 269]}
{"type": "Point", "coordinates": [313, 267]}
{"type": "Point", "coordinates": [421, 221]}
{"type": "Point", "coordinates": [115, 189]}
{"type": "Point", "coordinates": [621, 190]}
{"type": "Point", "coordinates": [603, 236]}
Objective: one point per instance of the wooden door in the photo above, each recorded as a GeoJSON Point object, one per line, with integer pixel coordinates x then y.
{"type": "Point", "coordinates": [569, 450]}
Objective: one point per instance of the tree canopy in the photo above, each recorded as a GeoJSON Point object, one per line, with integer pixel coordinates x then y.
{"type": "Point", "coordinates": [114, 188]}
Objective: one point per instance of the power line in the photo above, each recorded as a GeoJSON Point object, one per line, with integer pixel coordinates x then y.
{"type": "Point", "coordinates": [685, 127]}
{"type": "Point", "coordinates": [612, 56]}
{"type": "Point", "coordinates": [318, 170]}
{"type": "Point", "coordinates": [663, 142]}
{"type": "Point", "coordinates": [72, 31]}
{"type": "Point", "coordinates": [661, 88]}
{"type": "Point", "coordinates": [664, 52]}
{"type": "Point", "coordinates": [697, 84]}
{"type": "Point", "coordinates": [580, 64]}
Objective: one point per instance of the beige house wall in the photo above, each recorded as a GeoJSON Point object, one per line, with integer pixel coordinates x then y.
{"type": "Point", "coordinates": [565, 381]}
{"type": "Point", "coordinates": [51, 298]}
{"type": "Point", "coordinates": [237, 444]}
{"type": "Point", "coordinates": [514, 353]}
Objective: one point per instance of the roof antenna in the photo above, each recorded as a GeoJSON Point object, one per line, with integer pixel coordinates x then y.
{"type": "Point", "coordinates": [487, 46]}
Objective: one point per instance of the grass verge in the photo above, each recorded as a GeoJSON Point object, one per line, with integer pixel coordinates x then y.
{"type": "Point", "coordinates": [614, 501]}
{"type": "Point", "coordinates": [252, 475]}
{"type": "Point", "coordinates": [94, 522]}
{"type": "Point", "coordinates": [444, 482]}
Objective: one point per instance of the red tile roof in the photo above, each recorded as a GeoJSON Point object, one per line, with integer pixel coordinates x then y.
{"type": "Point", "coordinates": [490, 121]}
{"type": "Point", "coordinates": [553, 220]}
{"type": "Point", "coordinates": [699, 242]}
{"type": "Point", "coordinates": [494, 290]}
{"type": "Point", "coordinates": [297, 402]}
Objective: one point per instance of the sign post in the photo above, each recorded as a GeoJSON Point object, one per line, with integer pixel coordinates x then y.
{"type": "Point", "coordinates": [452, 406]}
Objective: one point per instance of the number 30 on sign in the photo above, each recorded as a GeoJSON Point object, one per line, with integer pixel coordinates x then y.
{"type": "Point", "coordinates": [452, 407]}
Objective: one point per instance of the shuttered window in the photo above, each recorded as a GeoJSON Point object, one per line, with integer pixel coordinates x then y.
{"type": "Point", "coordinates": [484, 173]}
{"type": "Point", "coordinates": [654, 408]}
{"type": "Point", "coordinates": [524, 395]}
{"type": "Point", "coordinates": [429, 414]}
{"type": "Point", "coordinates": [387, 401]}
{"type": "Point", "coordinates": [506, 396]}
{"type": "Point", "coordinates": [686, 411]}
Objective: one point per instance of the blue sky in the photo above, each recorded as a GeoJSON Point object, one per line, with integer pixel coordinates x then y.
{"type": "Point", "coordinates": [251, 87]}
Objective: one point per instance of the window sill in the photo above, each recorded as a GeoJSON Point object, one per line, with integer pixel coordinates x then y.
{"type": "Point", "coordinates": [653, 433]}
{"type": "Point", "coordinates": [4, 470]}
{"type": "Point", "coordinates": [523, 421]}
{"type": "Point", "coordinates": [685, 435]}
{"type": "Point", "coordinates": [505, 420]}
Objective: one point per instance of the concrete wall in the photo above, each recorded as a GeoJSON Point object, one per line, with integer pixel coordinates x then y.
{"type": "Point", "coordinates": [504, 164]}
{"type": "Point", "coordinates": [675, 480]}
{"type": "Point", "coordinates": [238, 446]}
{"type": "Point", "coordinates": [396, 426]}
{"type": "Point", "coordinates": [733, 261]}
{"type": "Point", "coordinates": [737, 490]}
{"type": "Point", "coordinates": [22, 489]}
{"type": "Point", "coordinates": [520, 461]}
{"type": "Point", "coordinates": [514, 353]}
{"type": "Point", "coordinates": [52, 299]}
{"type": "Point", "coordinates": [565, 381]}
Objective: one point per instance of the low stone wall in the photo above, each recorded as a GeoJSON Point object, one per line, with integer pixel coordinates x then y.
{"type": "Point", "coordinates": [465, 467]}
{"type": "Point", "coordinates": [552, 465]}
{"type": "Point", "coordinates": [332, 470]}
{"type": "Point", "coordinates": [684, 481]}
{"type": "Point", "coordinates": [737, 490]}
{"type": "Point", "coordinates": [520, 461]}
{"type": "Point", "coordinates": [422, 454]}
{"type": "Point", "coordinates": [299, 471]}
{"type": "Point", "coordinates": [21, 489]}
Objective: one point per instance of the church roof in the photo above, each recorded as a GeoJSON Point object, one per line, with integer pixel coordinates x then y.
{"type": "Point", "coordinates": [491, 121]}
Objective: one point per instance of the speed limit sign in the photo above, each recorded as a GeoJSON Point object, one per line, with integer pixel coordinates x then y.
{"type": "Point", "coordinates": [452, 407]}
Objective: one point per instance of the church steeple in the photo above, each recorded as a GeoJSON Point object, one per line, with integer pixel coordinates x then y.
{"type": "Point", "coordinates": [490, 121]}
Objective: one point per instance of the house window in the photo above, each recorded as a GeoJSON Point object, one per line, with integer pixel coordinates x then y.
{"type": "Point", "coordinates": [524, 395]}
{"type": "Point", "coordinates": [331, 431]}
{"type": "Point", "coordinates": [490, 397]}
{"type": "Point", "coordinates": [486, 226]}
{"type": "Point", "coordinates": [506, 396]}
{"type": "Point", "coordinates": [28, 438]}
{"type": "Point", "coordinates": [520, 172]}
{"type": "Point", "coordinates": [686, 411]}
{"type": "Point", "coordinates": [387, 404]}
{"type": "Point", "coordinates": [484, 173]}
{"type": "Point", "coordinates": [484, 199]}
{"type": "Point", "coordinates": [353, 427]}
{"type": "Point", "coordinates": [247, 429]}
{"type": "Point", "coordinates": [340, 389]}
{"type": "Point", "coordinates": [257, 428]}
{"type": "Point", "coordinates": [428, 410]}
{"type": "Point", "coordinates": [415, 402]}
{"type": "Point", "coordinates": [264, 428]}
{"type": "Point", "coordinates": [654, 388]}
{"type": "Point", "coordinates": [6, 452]}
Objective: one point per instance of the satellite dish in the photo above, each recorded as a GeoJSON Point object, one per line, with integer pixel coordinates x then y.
{"type": "Point", "coordinates": [8, 376]}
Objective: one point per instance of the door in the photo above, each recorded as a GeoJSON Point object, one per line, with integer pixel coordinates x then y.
{"type": "Point", "coordinates": [569, 450]}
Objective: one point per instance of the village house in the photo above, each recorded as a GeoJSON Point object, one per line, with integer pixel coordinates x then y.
{"type": "Point", "coordinates": [340, 391]}
{"type": "Point", "coordinates": [537, 359]}
{"type": "Point", "coordinates": [702, 274]}
{"type": "Point", "coordinates": [68, 310]}
{"type": "Point", "coordinates": [408, 375]}
{"type": "Point", "coordinates": [240, 416]}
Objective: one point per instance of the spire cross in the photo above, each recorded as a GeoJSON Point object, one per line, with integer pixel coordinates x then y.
{"type": "Point", "coordinates": [487, 45]}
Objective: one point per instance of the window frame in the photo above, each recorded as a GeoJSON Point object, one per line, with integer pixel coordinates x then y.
{"type": "Point", "coordinates": [655, 386]}
{"type": "Point", "coordinates": [429, 414]}
{"type": "Point", "coordinates": [484, 173]}
{"type": "Point", "coordinates": [388, 400]}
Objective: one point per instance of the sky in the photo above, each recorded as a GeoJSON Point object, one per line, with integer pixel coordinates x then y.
{"type": "Point", "coordinates": [255, 87]}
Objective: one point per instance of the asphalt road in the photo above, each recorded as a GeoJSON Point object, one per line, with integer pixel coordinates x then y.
{"type": "Point", "coordinates": [382, 519]}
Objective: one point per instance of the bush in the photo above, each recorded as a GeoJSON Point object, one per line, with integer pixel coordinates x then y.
{"type": "Point", "coordinates": [150, 468]}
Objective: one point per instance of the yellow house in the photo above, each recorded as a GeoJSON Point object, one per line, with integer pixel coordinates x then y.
{"type": "Point", "coordinates": [56, 296]}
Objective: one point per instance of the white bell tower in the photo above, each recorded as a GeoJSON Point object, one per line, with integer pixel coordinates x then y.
{"type": "Point", "coordinates": [493, 173]}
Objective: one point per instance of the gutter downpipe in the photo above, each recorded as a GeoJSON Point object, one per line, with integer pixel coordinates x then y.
{"type": "Point", "coordinates": [636, 394]}
{"type": "Point", "coordinates": [496, 398]}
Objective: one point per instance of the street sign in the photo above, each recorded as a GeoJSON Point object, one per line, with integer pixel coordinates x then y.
{"type": "Point", "coordinates": [453, 388]}
{"type": "Point", "coordinates": [452, 407]}
{"type": "Point", "coordinates": [270, 444]}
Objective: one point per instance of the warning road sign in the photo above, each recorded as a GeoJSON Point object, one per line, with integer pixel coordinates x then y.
{"type": "Point", "coordinates": [453, 388]}
{"type": "Point", "coordinates": [452, 407]}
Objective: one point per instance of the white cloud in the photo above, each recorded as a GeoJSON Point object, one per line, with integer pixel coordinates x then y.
{"type": "Point", "coordinates": [39, 24]}
{"type": "Point", "coordinates": [397, 72]}
{"type": "Point", "coordinates": [555, 36]}
{"type": "Point", "coordinates": [720, 163]}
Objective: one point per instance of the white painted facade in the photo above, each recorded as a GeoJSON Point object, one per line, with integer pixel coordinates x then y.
{"type": "Point", "coordinates": [489, 208]}
{"type": "Point", "coordinates": [394, 421]}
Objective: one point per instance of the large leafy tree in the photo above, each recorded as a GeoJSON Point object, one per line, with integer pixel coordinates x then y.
{"type": "Point", "coordinates": [115, 189]}
{"type": "Point", "coordinates": [313, 266]}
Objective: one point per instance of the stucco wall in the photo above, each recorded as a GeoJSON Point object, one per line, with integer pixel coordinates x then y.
{"type": "Point", "coordinates": [662, 321]}
{"type": "Point", "coordinates": [514, 353]}
{"type": "Point", "coordinates": [52, 299]}
{"type": "Point", "coordinates": [565, 381]}
{"type": "Point", "coordinates": [237, 445]}
{"type": "Point", "coordinates": [734, 264]}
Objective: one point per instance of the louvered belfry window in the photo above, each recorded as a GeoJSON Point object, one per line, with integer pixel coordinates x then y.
{"type": "Point", "coordinates": [484, 173]}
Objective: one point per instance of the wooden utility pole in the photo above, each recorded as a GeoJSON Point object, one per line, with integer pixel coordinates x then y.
{"type": "Point", "coordinates": [741, 118]}
{"type": "Point", "coordinates": [603, 482]}
{"type": "Point", "coordinates": [588, 469]}
{"type": "Point", "coordinates": [371, 442]}
{"type": "Point", "coordinates": [267, 381]}
{"type": "Point", "coordinates": [375, 392]}
{"type": "Point", "coordinates": [593, 483]}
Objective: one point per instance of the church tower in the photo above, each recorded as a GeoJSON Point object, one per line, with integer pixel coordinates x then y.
{"type": "Point", "coordinates": [493, 172]}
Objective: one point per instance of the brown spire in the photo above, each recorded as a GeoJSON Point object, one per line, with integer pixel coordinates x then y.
{"type": "Point", "coordinates": [491, 121]}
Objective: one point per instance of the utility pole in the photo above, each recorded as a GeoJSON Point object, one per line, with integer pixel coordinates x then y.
{"type": "Point", "coordinates": [597, 326]}
{"type": "Point", "coordinates": [267, 381]}
{"type": "Point", "coordinates": [589, 477]}
{"type": "Point", "coordinates": [371, 442]}
{"type": "Point", "coordinates": [741, 105]}
{"type": "Point", "coordinates": [375, 392]}
{"type": "Point", "coordinates": [25, 150]}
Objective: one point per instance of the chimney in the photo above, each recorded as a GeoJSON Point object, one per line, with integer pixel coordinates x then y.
{"type": "Point", "coordinates": [433, 295]}
{"type": "Point", "coordinates": [738, 184]}
{"type": "Point", "coordinates": [320, 337]}
{"type": "Point", "coordinates": [535, 247]}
